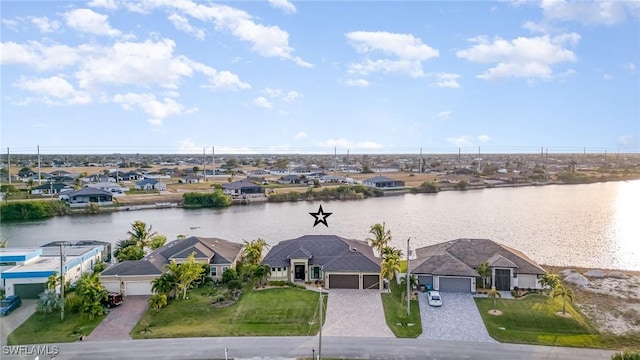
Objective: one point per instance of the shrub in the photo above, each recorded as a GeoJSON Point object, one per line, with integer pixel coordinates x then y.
{"type": "Point", "coordinates": [626, 356]}
{"type": "Point", "coordinates": [234, 284]}
{"type": "Point", "coordinates": [219, 298]}
{"type": "Point", "coordinates": [229, 275]}
{"type": "Point", "coordinates": [277, 283]}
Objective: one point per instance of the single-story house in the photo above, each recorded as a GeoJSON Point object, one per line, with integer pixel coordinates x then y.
{"type": "Point", "coordinates": [113, 188]}
{"type": "Point", "coordinates": [151, 184]}
{"type": "Point", "coordinates": [86, 196]}
{"type": "Point", "coordinates": [241, 187]}
{"type": "Point", "coordinates": [50, 189]}
{"type": "Point", "coordinates": [290, 179]}
{"type": "Point", "coordinates": [383, 182]}
{"type": "Point", "coordinates": [337, 262]}
{"type": "Point", "coordinates": [25, 271]}
{"type": "Point", "coordinates": [135, 277]}
{"type": "Point", "coordinates": [452, 266]}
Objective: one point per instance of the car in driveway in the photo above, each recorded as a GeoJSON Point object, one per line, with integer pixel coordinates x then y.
{"type": "Point", "coordinates": [112, 299]}
{"type": "Point", "coordinates": [9, 304]}
{"type": "Point", "coordinates": [434, 298]}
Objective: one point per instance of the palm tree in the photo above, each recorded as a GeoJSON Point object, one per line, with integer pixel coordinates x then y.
{"type": "Point", "coordinates": [390, 251]}
{"type": "Point", "coordinates": [485, 272]}
{"type": "Point", "coordinates": [549, 280]}
{"type": "Point", "coordinates": [565, 293]}
{"type": "Point", "coordinates": [381, 237]}
{"type": "Point", "coordinates": [388, 269]}
{"type": "Point", "coordinates": [91, 293]}
{"type": "Point", "coordinates": [494, 294]}
{"type": "Point", "coordinates": [140, 234]}
{"type": "Point", "coordinates": [253, 250]}
{"type": "Point", "coordinates": [165, 284]}
{"type": "Point", "coordinates": [157, 301]}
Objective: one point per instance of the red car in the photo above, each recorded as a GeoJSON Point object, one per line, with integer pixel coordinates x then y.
{"type": "Point", "coordinates": [113, 299]}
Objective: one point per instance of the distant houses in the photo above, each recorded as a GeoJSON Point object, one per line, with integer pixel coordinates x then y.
{"type": "Point", "coordinates": [383, 182]}
{"type": "Point", "coordinates": [151, 184]}
{"type": "Point", "coordinates": [87, 196]}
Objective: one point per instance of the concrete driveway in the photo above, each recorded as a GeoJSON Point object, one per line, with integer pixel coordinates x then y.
{"type": "Point", "coordinates": [355, 313]}
{"type": "Point", "coordinates": [16, 318]}
{"type": "Point", "coordinates": [120, 321]}
{"type": "Point", "coordinates": [457, 319]}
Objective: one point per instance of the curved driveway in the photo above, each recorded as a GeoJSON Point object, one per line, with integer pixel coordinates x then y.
{"type": "Point", "coordinates": [355, 313]}
{"type": "Point", "coordinates": [457, 319]}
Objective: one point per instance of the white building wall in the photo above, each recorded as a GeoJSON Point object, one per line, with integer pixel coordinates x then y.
{"type": "Point", "coordinates": [10, 282]}
{"type": "Point", "coordinates": [528, 281]}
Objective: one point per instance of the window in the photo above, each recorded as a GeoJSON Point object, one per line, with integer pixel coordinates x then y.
{"type": "Point", "coordinates": [224, 268]}
{"type": "Point", "coordinates": [214, 271]}
{"type": "Point", "coordinates": [315, 273]}
{"type": "Point", "coordinates": [273, 269]}
{"type": "Point", "coordinates": [279, 269]}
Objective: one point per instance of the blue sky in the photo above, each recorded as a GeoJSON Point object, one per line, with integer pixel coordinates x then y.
{"type": "Point", "coordinates": [310, 76]}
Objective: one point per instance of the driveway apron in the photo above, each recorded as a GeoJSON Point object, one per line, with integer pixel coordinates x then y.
{"type": "Point", "coordinates": [120, 321]}
{"type": "Point", "coordinates": [457, 319]}
{"type": "Point", "coordinates": [16, 318]}
{"type": "Point", "coordinates": [356, 313]}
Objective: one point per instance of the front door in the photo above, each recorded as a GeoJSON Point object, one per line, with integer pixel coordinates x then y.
{"type": "Point", "coordinates": [299, 272]}
{"type": "Point", "coordinates": [503, 279]}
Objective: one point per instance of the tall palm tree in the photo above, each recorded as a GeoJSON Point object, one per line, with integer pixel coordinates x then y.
{"type": "Point", "coordinates": [565, 293]}
{"type": "Point", "coordinates": [484, 270]}
{"type": "Point", "coordinates": [381, 237]}
{"type": "Point", "coordinates": [253, 250]}
{"type": "Point", "coordinates": [91, 292]}
{"type": "Point", "coordinates": [388, 269]}
{"type": "Point", "coordinates": [549, 280]}
{"type": "Point", "coordinates": [390, 251]}
{"type": "Point", "coordinates": [141, 234]}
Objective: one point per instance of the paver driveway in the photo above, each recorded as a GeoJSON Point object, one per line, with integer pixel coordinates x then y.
{"type": "Point", "coordinates": [355, 313]}
{"type": "Point", "coordinates": [16, 318]}
{"type": "Point", "coordinates": [121, 319]}
{"type": "Point", "coordinates": [457, 319]}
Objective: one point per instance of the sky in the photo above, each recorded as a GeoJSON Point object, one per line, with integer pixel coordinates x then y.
{"type": "Point", "coordinates": [168, 76]}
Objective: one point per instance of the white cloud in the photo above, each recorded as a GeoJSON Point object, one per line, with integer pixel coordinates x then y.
{"type": "Point", "coordinates": [54, 90]}
{"type": "Point", "coordinates": [291, 96]}
{"type": "Point", "coordinates": [346, 144]}
{"type": "Point", "coordinates": [225, 80]}
{"type": "Point", "coordinates": [631, 67]}
{"type": "Point", "coordinates": [357, 82]}
{"type": "Point", "coordinates": [627, 141]}
{"type": "Point", "coordinates": [44, 24]}
{"type": "Point", "coordinates": [157, 110]}
{"type": "Point", "coordinates": [407, 52]}
{"type": "Point", "coordinates": [447, 80]}
{"type": "Point", "coordinates": [105, 4]}
{"type": "Point", "coordinates": [38, 56]}
{"type": "Point", "coordinates": [262, 101]}
{"type": "Point", "coordinates": [587, 12]}
{"type": "Point", "coordinates": [11, 24]}
{"type": "Point", "coordinates": [444, 114]}
{"type": "Point", "coordinates": [299, 136]}
{"type": "Point", "coordinates": [181, 23]}
{"type": "Point", "coordinates": [272, 92]}
{"type": "Point", "coordinates": [522, 57]}
{"type": "Point", "coordinates": [268, 41]}
{"type": "Point", "coordinates": [88, 21]}
{"type": "Point", "coordinates": [285, 5]}
{"type": "Point", "coordinates": [483, 138]}
{"type": "Point", "coordinates": [461, 141]}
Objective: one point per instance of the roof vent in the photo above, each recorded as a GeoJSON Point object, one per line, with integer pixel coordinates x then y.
{"type": "Point", "coordinates": [352, 249]}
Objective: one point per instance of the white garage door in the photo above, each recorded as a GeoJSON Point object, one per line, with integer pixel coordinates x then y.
{"type": "Point", "coordinates": [137, 288]}
{"type": "Point", "coordinates": [111, 286]}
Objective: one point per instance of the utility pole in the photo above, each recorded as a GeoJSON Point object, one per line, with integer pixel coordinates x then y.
{"type": "Point", "coordinates": [320, 331]}
{"type": "Point", "coordinates": [204, 164]}
{"type": "Point", "coordinates": [39, 177]}
{"type": "Point", "coordinates": [213, 162]}
{"type": "Point", "coordinates": [347, 162]}
{"type": "Point", "coordinates": [9, 164]}
{"type": "Point", "coordinates": [408, 279]}
{"type": "Point", "coordinates": [62, 280]}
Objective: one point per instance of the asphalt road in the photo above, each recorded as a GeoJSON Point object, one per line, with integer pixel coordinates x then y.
{"type": "Point", "coordinates": [293, 347]}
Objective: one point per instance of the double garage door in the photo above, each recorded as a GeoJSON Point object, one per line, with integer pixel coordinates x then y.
{"type": "Point", "coordinates": [455, 284]}
{"type": "Point", "coordinates": [130, 287]}
{"type": "Point", "coordinates": [352, 281]}
{"type": "Point", "coordinates": [28, 291]}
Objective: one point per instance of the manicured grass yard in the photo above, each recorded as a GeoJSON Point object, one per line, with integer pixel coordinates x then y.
{"type": "Point", "coordinates": [395, 312]}
{"type": "Point", "coordinates": [282, 311]}
{"type": "Point", "coordinates": [48, 328]}
{"type": "Point", "coordinates": [533, 320]}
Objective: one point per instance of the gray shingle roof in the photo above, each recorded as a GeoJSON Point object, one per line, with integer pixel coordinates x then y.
{"type": "Point", "coordinates": [133, 267]}
{"type": "Point", "coordinates": [332, 252]}
{"type": "Point", "coordinates": [242, 184]}
{"type": "Point", "coordinates": [472, 253]}
{"type": "Point", "coordinates": [219, 251]}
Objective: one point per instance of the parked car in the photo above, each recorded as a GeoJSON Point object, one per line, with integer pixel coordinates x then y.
{"type": "Point", "coordinates": [434, 298]}
{"type": "Point", "coordinates": [113, 299]}
{"type": "Point", "coordinates": [9, 304]}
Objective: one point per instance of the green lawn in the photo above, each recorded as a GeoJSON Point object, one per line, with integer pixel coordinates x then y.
{"type": "Point", "coordinates": [533, 320]}
{"type": "Point", "coordinates": [282, 311]}
{"type": "Point", "coordinates": [48, 328]}
{"type": "Point", "coordinates": [395, 312]}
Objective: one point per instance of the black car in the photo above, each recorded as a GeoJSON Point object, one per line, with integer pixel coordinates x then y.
{"type": "Point", "coordinates": [113, 299]}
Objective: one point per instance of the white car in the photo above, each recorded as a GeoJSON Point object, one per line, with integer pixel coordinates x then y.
{"type": "Point", "coordinates": [434, 298]}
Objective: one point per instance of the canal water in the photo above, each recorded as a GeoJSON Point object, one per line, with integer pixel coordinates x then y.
{"type": "Point", "coordinates": [591, 225]}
